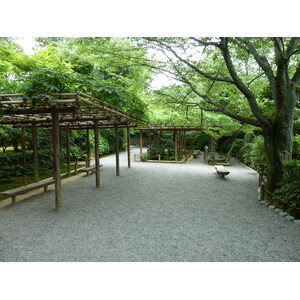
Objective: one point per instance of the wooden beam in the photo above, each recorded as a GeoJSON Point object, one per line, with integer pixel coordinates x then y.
{"type": "Point", "coordinates": [117, 150]}
{"type": "Point", "coordinates": [68, 150]}
{"type": "Point", "coordinates": [11, 95]}
{"type": "Point", "coordinates": [97, 164]}
{"type": "Point", "coordinates": [88, 164]}
{"type": "Point", "coordinates": [175, 142]}
{"type": "Point", "coordinates": [35, 153]}
{"type": "Point", "coordinates": [57, 178]}
{"type": "Point", "coordinates": [23, 146]}
{"type": "Point", "coordinates": [39, 110]}
{"type": "Point", "coordinates": [128, 146]}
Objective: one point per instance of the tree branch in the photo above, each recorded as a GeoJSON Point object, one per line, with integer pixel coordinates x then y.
{"type": "Point", "coordinates": [188, 104]}
{"type": "Point", "coordinates": [256, 77]}
{"type": "Point", "coordinates": [203, 43]}
{"type": "Point", "coordinates": [241, 86]}
{"type": "Point", "coordinates": [192, 66]}
{"type": "Point", "coordinates": [220, 107]}
{"type": "Point", "coordinates": [262, 62]}
{"type": "Point", "coordinates": [294, 42]}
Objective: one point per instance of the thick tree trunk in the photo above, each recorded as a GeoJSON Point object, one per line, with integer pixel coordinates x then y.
{"type": "Point", "coordinates": [279, 139]}
{"type": "Point", "coordinates": [274, 164]}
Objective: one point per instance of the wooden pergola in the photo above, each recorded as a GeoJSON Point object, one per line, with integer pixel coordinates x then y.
{"type": "Point", "coordinates": [65, 111]}
{"type": "Point", "coordinates": [178, 135]}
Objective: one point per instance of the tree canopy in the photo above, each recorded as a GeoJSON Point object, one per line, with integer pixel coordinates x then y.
{"type": "Point", "coordinates": [221, 84]}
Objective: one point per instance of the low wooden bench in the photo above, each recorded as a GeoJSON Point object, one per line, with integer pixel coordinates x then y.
{"type": "Point", "coordinates": [89, 169]}
{"type": "Point", "coordinates": [221, 171]}
{"type": "Point", "coordinates": [27, 188]}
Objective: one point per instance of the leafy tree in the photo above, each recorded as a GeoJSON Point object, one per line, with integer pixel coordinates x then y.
{"type": "Point", "coordinates": [251, 80]}
{"type": "Point", "coordinates": [9, 136]}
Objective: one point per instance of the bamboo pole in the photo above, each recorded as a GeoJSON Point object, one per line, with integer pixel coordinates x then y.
{"type": "Point", "coordinates": [57, 178]}
{"type": "Point", "coordinates": [35, 153]}
{"type": "Point", "coordinates": [117, 150]}
{"type": "Point", "coordinates": [88, 150]}
{"type": "Point", "coordinates": [97, 164]}
{"type": "Point", "coordinates": [23, 146]}
{"type": "Point", "coordinates": [68, 150]}
{"type": "Point", "coordinates": [128, 147]}
{"type": "Point", "coordinates": [176, 148]}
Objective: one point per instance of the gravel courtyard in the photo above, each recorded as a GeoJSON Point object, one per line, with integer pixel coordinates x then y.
{"type": "Point", "coordinates": [152, 212]}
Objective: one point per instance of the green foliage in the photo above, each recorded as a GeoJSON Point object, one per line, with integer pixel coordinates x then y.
{"type": "Point", "coordinates": [104, 145]}
{"type": "Point", "coordinates": [11, 163]}
{"type": "Point", "coordinates": [8, 136]}
{"type": "Point", "coordinates": [196, 140]}
{"type": "Point", "coordinates": [155, 149]}
{"type": "Point", "coordinates": [255, 151]}
{"type": "Point", "coordinates": [289, 188]}
{"type": "Point", "coordinates": [296, 147]}
{"type": "Point", "coordinates": [165, 146]}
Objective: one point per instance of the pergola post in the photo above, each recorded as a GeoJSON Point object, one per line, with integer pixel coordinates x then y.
{"type": "Point", "coordinates": [88, 164]}
{"type": "Point", "coordinates": [97, 164]}
{"type": "Point", "coordinates": [23, 146]}
{"type": "Point", "coordinates": [141, 145]}
{"type": "Point", "coordinates": [68, 150]}
{"type": "Point", "coordinates": [117, 150]}
{"type": "Point", "coordinates": [175, 142]}
{"type": "Point", "coordinates": [35, 153]}
{"type": "Point", "coordinates": [128, 146]}
{"type": "Point", "coordinates": [56, 144]}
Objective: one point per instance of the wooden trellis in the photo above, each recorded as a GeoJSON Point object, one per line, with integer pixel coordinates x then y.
{"type": "Point", "coordinates": [65, 111]}
{"type": "Point", "coordinates": [179, 137]}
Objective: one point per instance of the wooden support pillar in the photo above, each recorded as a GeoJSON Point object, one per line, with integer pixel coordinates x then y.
{"type": "Point", "coordinates": [97, 164]}
{"type": "Point", "coordinates": [88, 162]}
{"type": "Point", "coordinates": [176, 148]}
{"type": "Point", "coordinates": [23, 146]}
{"type": "Point", "coordinates": [141, 145]}
{"type": "Point", "coordinates": [35, 154]}
{"type": "Point", "coordinates": [117, 150]}
{"type": "Point", "coordinates": [211, 144]}
{"type": "Point", "coordinates": [128, 146]}
{"type": "Point", "coordinates": [56, 144]}
{"type": "Point", "coordinates": [68, 150]}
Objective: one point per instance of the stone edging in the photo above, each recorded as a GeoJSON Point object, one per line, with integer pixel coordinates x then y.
{"type": "Point", "coordinates": [279, 211]}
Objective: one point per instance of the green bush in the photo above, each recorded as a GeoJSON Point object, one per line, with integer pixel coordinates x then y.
{"type": "Point", "coordinates": [289, 188]}
{"type": "Point", "coordinates": [196, 140]}
{"type": "Point", "coordinates": [104, 147]}
{"type": "Point", "coordinates": [11, 163]}
{"type": "Point", "coordinates": [255, 151]}
{"type": "Point", "coordinates": [156, 149]}
{"type": "Point", "coordinates": [296, 147]}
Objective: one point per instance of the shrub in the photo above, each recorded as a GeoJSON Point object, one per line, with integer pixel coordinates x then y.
{"type": "Point", "coordinates": [289, 188]}
{"type": "Point", "coordinates": [255, 151]}
{"type": "Point", "coordinates": [156, 149]}
{"type": "Point", "coordinates": [11, 163]}
{"type": "Point", "coordinates": [296, 147]}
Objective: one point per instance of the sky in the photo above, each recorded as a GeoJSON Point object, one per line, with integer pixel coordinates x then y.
{"type": "Point", "coordinates": [27, 43]}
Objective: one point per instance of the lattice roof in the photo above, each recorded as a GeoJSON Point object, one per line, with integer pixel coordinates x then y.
{"type": "Point", "coordinates": [76, 110]}
{"type": "Point", "coordinates": [170, 128]}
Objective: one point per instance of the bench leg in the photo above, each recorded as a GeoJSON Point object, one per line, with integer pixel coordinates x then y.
{"type": "Point", "coordinates": [14, 199]}
{"type": "Point", "coordinates": [46, 188]}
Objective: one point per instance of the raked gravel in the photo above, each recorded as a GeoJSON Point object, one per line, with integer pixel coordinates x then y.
{"type": "Point", "coordinates": [152, 212]}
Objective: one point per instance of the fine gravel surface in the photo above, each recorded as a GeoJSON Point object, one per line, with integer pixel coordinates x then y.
{"type": "Point", "coordinates": [152, 212]}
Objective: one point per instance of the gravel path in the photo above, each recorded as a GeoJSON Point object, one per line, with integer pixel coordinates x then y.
{"type": "Point", "coordinates": [152, 212]}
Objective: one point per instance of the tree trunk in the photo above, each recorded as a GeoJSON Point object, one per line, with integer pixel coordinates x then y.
{"type": "Point", "coordinates": [279, 140]}
{"type": "Point", "coordinates": [274, 164]}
